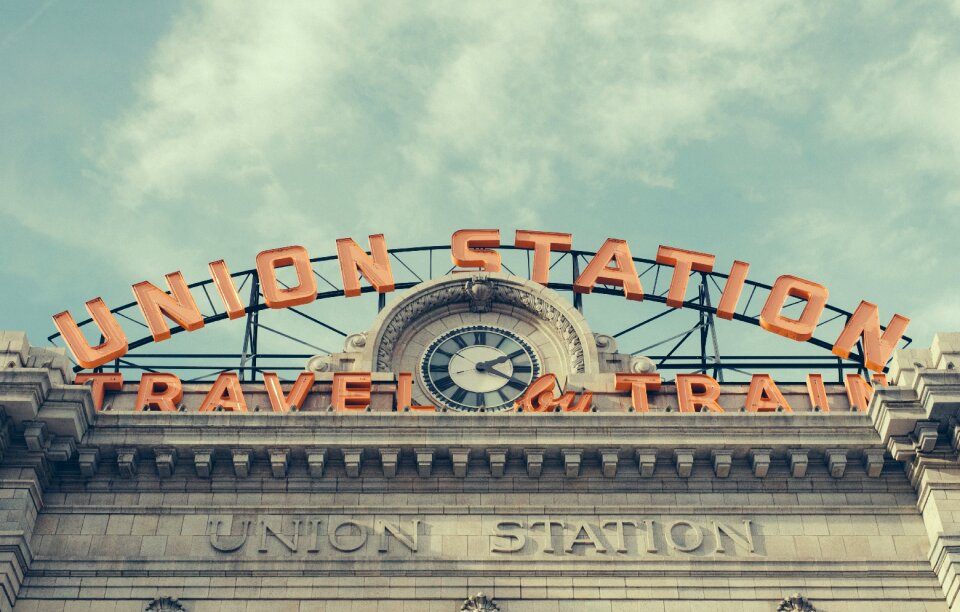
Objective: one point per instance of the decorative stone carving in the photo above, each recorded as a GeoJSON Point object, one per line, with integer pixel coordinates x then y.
{"type": "Point", "coordinates": [646, 461]}
{"type": "Point", "coordinates": [571, 461]}
{"type": "Point", "coordinates": [316, 460]}
{"type": "Point", "coordinates": [795, 603]}
{"type": "Point", "coordinates": [642, 365]}
{"type": "Point", "coordinates": [609, 457]}
{"type": "Point", "coordinates": [799, 461]}
{"type": "Point", "coordinates": [684, 460]}
{"type": "Point", "coordinates": [479, 603]}
{"type": "Point", "coordinates": [722, 462]}
{"type": "Point", "coordinates": [165, 604]}
{"type": "Point", "coordinates": [480, 293]}
{"type": "Point", "coordinates": [460, 458]}
{"type": "Point", "coordinates": [498, 461]}
{"type": "Point", "coordinates": [355, 342]}
{"type": "Point", "coordinates": [389, 457]}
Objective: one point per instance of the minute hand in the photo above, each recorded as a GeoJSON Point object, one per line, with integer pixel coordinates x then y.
{"type": "Point", "coordinates": [507, 376]}
{"type": "Point", "coordinates": [501, 359]}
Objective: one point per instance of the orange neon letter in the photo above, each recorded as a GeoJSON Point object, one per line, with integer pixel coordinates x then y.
{"type": "Point", "coordinates": [227, 290]}
{"type": "Point", "coordinates": [542, 243]}
{"type": "Point", "coordinates": [351, 390]}
{"type": "Point", "coordinates": [114, 345]}
{"type": "Point", "coordinates": [539, 398]}
{"type": "Point", "coordinates": [764, 395]}
{"type": "Point", "coordinates": [697, 393]}
{"type": "Point", "coordinates": [159, 392]}
{"type": "Point", "coordinates": [464, 256]}
{"type": "Point", "coordinates": [859, 391]}
{"type": "Point", "coordinates": [865, 323]}
{"type": "Point", "coordinates": [732, 290]}
{"type": "Point", "coordinates": [374, 267]}
{"type": "Point", "coordinates": [225, 393]}
{"type": "Point", "coordinates": [817, 392]}
{"type": "Point", "coordinates": [298, 392]}
{"type": "Point", "coordinates": [99, 384]}
{"type": "Point", "coordinates": [638, 385]}
{"type": "Point", "coordinates": [623, 274]}
{"type": "Point", "coordinates": [179, 306]}
{"type": "Point", "coordinates": [797, 329]}
{"type": "Point", "coordinates": [405, 394]}
{"type": "Point", "coordinates": [306, 289]}
{"type": "Point", "coordinates": [683, 262]}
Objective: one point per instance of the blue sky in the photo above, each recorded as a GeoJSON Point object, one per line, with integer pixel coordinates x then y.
{"type": "Point", "coordinates": [815, 139]}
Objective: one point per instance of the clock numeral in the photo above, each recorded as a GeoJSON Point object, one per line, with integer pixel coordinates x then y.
{"type": "Point", "coordinates": [519, 385]}
{"type": "Point", "coordinates": [503, 396]}
{"type": "Point", "coordinates": [480, 337]}
{"type": "Point", "coordinates": [479, 401]}
{"type": "Point", "coordinates": [459, 395]}
{"type": "Point", "coordinates": [444, 383]}
{"type": "Point", "coordinates": [444, 353]}
{"type": "Point", "coordinates": [524, 368]}
{"type": "Point", "coordinates": [516, 354]}
{"type": "Point", "coordinates": [438, 368]}
{"type": "Point", "coordinates": [502, 340]}
{"type": "Point", "coordinates": [460, 341]}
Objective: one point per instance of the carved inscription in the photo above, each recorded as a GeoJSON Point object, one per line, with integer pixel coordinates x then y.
{"type": "Point", "coordinates": [533, 536]}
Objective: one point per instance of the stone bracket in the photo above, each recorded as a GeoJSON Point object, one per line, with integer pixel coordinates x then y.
{"type": "Point", "coordinates": [389, 458]}
{"type": "Point", "coordinates": [646, 461]}
{"type": "Point", "coordinates": [424, 461]}
{"type": "Point", "coordinates": [460, 458]}
{"type": "Point", "coordinates": [352, 461]}
{"type": "Point", "coordinates": [534, 457]}
{"type": "Point", "coordinates": [166, 460]}
{"type": "Point", "coordinates": [760, 461]}
{"type": "Point", "coordinates": [609, 458]}
{"type": "Point", "coordinates": [497, 457]}
{"type": "Point", "coordinates": [799, 461]}
{"type": "Point", "coordinates": [722, 462]}
{"type": "Point", "coordinates": [836, 460]}
{"type": "Point", "coordinates": [127, 459]}
{"type": "Point", "coordinates": [316, 461]}
{"type": "Point", "coordinates": [241, 462]}
{"type": "Point", "coordinates": [203, 462]}
{"type": "Point", "coordinates": [571, 461]}
{"type": "Point", "coordinates": [683, 457]}
{"type": "Point", "coordinates": [279, 461]}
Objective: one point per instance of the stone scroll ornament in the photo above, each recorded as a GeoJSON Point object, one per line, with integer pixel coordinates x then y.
{"type": "Point", "coordinates": [479, 603]}
{"type": "Point", "coordinates": [795, 603]}
{"type": "Point", "coordinates": [165, 604]}
{"type": "Point", "coordinates": [480, 292]}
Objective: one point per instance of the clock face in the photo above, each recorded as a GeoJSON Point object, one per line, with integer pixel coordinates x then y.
{"type": "Point", "coordinates": [478, 366]}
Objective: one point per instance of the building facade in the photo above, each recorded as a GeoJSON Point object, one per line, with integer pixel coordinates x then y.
{"type": "Point", "coordinates": [105, 506]}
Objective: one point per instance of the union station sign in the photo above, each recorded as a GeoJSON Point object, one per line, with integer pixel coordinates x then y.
{"type": "Point", "coordinates": [521, 357]}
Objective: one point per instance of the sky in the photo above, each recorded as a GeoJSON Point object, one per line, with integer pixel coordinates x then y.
{"type": "Point", "coordinates": [819, 139]}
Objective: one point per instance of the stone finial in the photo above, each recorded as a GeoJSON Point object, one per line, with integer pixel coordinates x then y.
{"type": "Point", "coordinates": [316, 461]}
{"type": "Point", "coordinates": [799, 461]}
{"type": "Point", "coordinates": [352, 461]}
{"type": "Point", "coordinates": [683, 458]}
{"type": "Point", "coordinates": [873, 461]}
{"type": "Point", "coordinates": [722, 462]}
{"type": "Point", "coordinates": [389, 458]}
{"type": "Point", "coordinates": [165, 458]}
{"type": "Point", "coordinates": [424, 458]}
{"type": "Point", "coordinates": [279, 461]}
{"type": "Point", "coordinates": [760, 461]}
{"type": "Point", "coordinates": [35, 435]}
{"type": "Point", "coordinates": [88, 458]}
{"type": "Point", "coordinates": [609, 458]}
{"type": "Point", "coordinates": [945, 351]}
{"type": "Point", "coordinates": [836, 460]}
{"type": "Point", "coordinates": [203, 462]}
{"type": "Point", "coordinates": [460, 458]}
{"type": "Point", "coordinates": [646, 461]}
{"type": "Point", "coordinates": [571, 461]}
{"type": "Point", "coordinates": [241, 462]}
{"type": "Point", "coordinates": [497, 457]}
{"type": "Point", "coordinates": [127, 459]}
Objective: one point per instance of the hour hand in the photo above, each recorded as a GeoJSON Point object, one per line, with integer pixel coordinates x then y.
{"type": "Point", "coordinates": [484, 365]}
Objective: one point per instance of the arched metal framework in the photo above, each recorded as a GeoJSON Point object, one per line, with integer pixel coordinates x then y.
{"type": "Point", "coordinates": [417, 264]}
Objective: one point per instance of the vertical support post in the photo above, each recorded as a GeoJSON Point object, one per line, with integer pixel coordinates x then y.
{"type": "Point", "coordinates": [704, 324]}
{"type": "Point", "coordinates": [249, 334]}
{"type": "Point", "coordinates": [381, 301]}
{"type": "Point", "coordinates": [577, 298]}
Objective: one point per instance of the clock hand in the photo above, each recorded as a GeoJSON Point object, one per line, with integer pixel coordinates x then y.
{"type": "Point", "coordinates": [507, 376]}
{"type": "Point", "coordinates": [501, 359]}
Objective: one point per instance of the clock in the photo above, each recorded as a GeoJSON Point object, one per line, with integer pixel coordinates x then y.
{"type": "Point", "coordinates": [478, 366]}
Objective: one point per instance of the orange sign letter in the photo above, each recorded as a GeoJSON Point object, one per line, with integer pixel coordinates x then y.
{"type": "Point", "coordinates": [623, 274]}
{"type": "Point", "coordinates": [226, 393]}
{"type": "Point", "coordinates": [114, 343]}
{"type": "Point", "coordinates": [180, 306]}
{"type": "Point", "coordinates": [375, 268]}
{"type": "Point", "coordinates": [466, 257]}
{"type": "Point", "coordinates": [159, 392]}
{"type": "Point", "coordinates": [542, 243]}
{"type": "Point", "coordinates": [637, 384]}
{"type": "Point", "coordinates": [764, 395]}
{"type": "Point", "coordinates": [697, 393]}
{"type": "Point", "coordinates": [99, 383]}
{"type": "Point", "coordinates": [351, 390]}
{"type": "Point", "coordinates": [298, 392]}
{"type": "Point", "coordinates": [306, 289]}
{"type": "Point", "coordinates": [797, 329]}
{"type": "Point", "coordinates": [228, 291]}
{"type": "Point", "coordinates": [683, 262]}
{"type": "Point", "coordinates": [732, 290]}
{"type": "Point", "coordinates": [865, 323]}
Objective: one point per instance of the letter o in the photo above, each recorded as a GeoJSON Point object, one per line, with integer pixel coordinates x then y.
{"type": "Point", "coordinates": [335, 537]}
{"type": "Point", "coordinates": [697, 541]}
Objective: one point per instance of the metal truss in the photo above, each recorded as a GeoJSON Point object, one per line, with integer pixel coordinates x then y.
{"type": "Point", "coordinates": [680, 345]}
